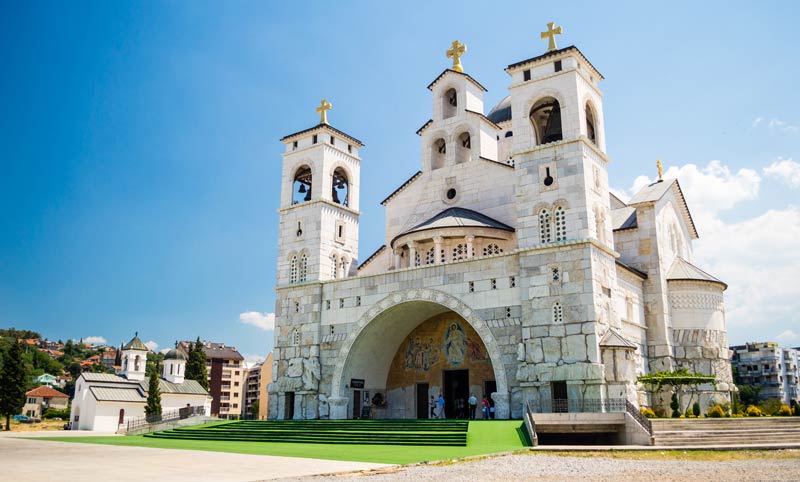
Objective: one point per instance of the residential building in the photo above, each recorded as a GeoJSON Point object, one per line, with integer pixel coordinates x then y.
{"type": "Point", "coordinates": [258, 377]}
{"type": "Point", "coordinates": [41, 398]}
{"type": "Point", "coordinates": [769, 366]}
{"type": "Point", "coordinates": [49, 380]}
{"type": "Point", "coordinates": [226, 374]}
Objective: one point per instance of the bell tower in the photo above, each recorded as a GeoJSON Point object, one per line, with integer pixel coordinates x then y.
{"type": "Point", "coordinates": [319, 204]}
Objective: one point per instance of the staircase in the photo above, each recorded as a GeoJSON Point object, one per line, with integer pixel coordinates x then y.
{"type": "Point", "coordinates": [701, 432]}
{"type": "Point", "coordinates": [371, 432]}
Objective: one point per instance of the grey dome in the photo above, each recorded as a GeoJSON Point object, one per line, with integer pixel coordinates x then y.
{"type": "Point", "coordinates": [174, 354]}
{"type": "Point", "coordinates": [501, 112]}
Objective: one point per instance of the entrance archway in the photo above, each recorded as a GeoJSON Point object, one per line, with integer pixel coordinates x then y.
{"type": "Point", "coordinates": [376, 337]}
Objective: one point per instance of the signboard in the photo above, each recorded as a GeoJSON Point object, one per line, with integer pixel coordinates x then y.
{"type": "Point", "coordinates": [356, 383]}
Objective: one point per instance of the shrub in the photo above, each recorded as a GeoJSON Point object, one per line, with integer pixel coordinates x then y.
{"type": "Point", "coordinates": [784, 411]}
{"type": "Point", "coordinates": [770, 406]}
{"type": "Point", "coordinates": [675, 406]}
{"type": "Point", "coordinates": [753, 411]}
{"type": "Point", "coordinates": [689, 413]}
{"type": "Point", "coordinates": [696, 409]}
{"type": "Point", "coordinates": [716, 412]}
{"type": "Point", "coordinates": [53, 413]}
{"type": "Point", "coordinates": [796, 409]}
{"type": "Point", "coordinates": [648, 412]}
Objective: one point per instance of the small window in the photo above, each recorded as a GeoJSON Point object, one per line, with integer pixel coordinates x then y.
{"type": "Point", "coordinates": [327, 304]}
{"type": "Point", "coordinates": [294, 145]}
{"type": "Point", "coordinates": [494, 284]}
{"type": "Point", "coordinates": [341, 302]}
{"type": "Point", "coordinates": [509, 134]}
{"type": "Point", "coordinates": [556, 274]}
{"type": "Point", "coordinates": [508, 312]}
{"type": "Point", "coordinates": [332, 330]}
{"type": "Point", "coordinates": [235, 384]}
{"type": "Point", "coordinates": [526, 75]}
{"type": "Point", "coordinates": [295, 337]}
{"type": "Point", "coordinates": [545, 234]}
{"type": "Point", "coordinates": [297, 307]}
{"type": "Point", "coordinates": [350, 148]}
{"type": "Point", "coordinates": [333, 141]}
{"type": "Point", "coordinates": [512, 282]}
{"type": "Point", "coordinates": [558, 313]}
{"type": "Point", "coordinates": [358, 301]}
{"type": "Point", "coordinates": [557, 65]}
{"type": "Point", "coordinates": [341, 230]}
{"type": "Point", "coordinates": [471, 286]}
{"type": "Point", "coordinates": [607, 291]}
{"type": "Point", "coordinates": [314, 139]}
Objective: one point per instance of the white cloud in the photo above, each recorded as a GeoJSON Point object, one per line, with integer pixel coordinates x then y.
{"type": "Point", "coordinates": [262, 321]}
{"type": "Point", "coordinates": [788, 336]}
{"type": "Point", "coordinates": [250, 360]}
{"type": "Point", "coordinates": [782, 125]}
{"type": "Point", "coordinates": [95, 340]}
{"type": "Point", "coordinates": [757, 121]}
{"type": "Point", "coordinates": [153, 346]}
{"type": "Point", "coordinates": [786, 171]}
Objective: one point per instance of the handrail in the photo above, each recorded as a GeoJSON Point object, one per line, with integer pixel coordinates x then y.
{"type": "Point", "coordinates": [634, 412]}
{"type": "Point", "coordinates": [169, 416]}
{"type": "Point", "coordinates": [583, 405]}
{"type": "Point", "coordinates": [530, 424]}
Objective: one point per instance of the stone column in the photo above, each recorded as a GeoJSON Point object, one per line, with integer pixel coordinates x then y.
{"type": "Point", "coordinates": [412, 254]}
{"type": "Point", "coordinates": [338, 408]}
{"type": "Point", "coordinates": [470, 240]}
{"type": "Point", "coordinates": [501, 409]}
{"type": "Point", "coordinates": [397, 253]}
{"type": "Point", "coordinates": [437, 249]}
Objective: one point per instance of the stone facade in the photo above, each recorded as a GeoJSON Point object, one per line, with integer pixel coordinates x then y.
{"type": "Point", "coordinates": [508, 228]}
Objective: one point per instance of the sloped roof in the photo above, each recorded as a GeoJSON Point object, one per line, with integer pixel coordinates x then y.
{"type": "Point", "coordinates": [682, 270]}
{"type": "Point", "coordinates": [657, 190]}
{"type": "Point", "coordinates": [623, 218]}
{"type": "Point", "coordinates": [175, 354]}
{"type": "Point", "coordinates": [323, 127]}
{"type": "Point", "coordinates": [502, 111]}
{"type": "Point", "coordinates": [614, 339]}
{"type": "Point", "coordinates": [118, 394]}
{"type": "Point", "coordinates": [188, 387]}
{"type": "Point", "coordinates": [475, 82]}
{"type": "Point", "coordinates": [372, 256]}
{"type": "Point", "coordinates": [402, 186]}
{"type": "Point", "coordinates": [106, 378]}
{"type": "Point", "coordinates": [553, 53]}
{"type": "Point", "coordinates": [46, 392]}
{"type": "Point", "coordinates": [135, 344]}
{"type": "Point", "coordinates": [456, 218]}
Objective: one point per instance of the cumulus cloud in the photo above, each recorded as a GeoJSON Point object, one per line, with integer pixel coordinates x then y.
{"type": "Point", "coordinates": [788, 336]}
{"type": "Point", "coordinates": [786, 171]}
{"type": "Point", "coordinates": [153, 346]}
{"type": "Point", "coordinates": [251, 360]}
{"type": "Point", "coordinates": [262, 321]}
{"type": "Point", "coordinates": [94, 340]}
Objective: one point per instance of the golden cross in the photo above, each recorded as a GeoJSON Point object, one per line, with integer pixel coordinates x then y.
{"type": "Point", "coordinates": [660, 169]}
{"type": "Point", "coordinates": [455, 51]}
{"type": "Point", "coordinates": [551, 35]}
{"type": "Point", "coordinates": [322, 110]}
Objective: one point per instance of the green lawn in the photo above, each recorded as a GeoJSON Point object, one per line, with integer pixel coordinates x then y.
{"type": "Point", "coordinates": [484, 437]}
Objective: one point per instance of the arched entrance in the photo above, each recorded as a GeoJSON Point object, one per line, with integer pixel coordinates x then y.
{"type": "Point", "coordinates": [383, 333]}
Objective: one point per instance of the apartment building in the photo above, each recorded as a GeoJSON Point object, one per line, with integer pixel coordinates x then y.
{"type": "Point", "coordinates": [773, 368]}
{"type": "Point", "coordinates": [226, 376]}
{"type": "Point", "coordinates": [258, 377]}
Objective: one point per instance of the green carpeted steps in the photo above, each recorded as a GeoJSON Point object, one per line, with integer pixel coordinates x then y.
{"type": "Point", "coordinates": [375, 432]}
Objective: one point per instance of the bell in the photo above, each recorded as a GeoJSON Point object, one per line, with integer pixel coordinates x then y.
{"type": "Point", "coordinates": [302, 189]}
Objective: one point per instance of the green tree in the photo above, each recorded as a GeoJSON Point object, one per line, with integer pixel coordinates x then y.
{"type": "Point", "coordinates": [675, 405]}
{"type": "Point", "coordinates": [196, 365]}
{"type": "Point", "coordinates": [13, 377]}
{"type": "Point", "coordinates": [118, 357]}
{"type": "Point", "coordinates": [749, 394]}
{"type": "Point", "coordinates": [254, 409]}
{"type": "Point", "coordinates": [153, 408]}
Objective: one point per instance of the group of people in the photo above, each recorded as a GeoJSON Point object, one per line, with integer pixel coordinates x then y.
{"type": "Point", "coordinates": [438, 411]}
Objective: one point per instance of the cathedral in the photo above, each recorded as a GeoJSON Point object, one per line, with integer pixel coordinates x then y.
{"type": "Point", "coordinates": [509, 271]}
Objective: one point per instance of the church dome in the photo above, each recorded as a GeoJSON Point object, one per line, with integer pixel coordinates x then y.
{"type": "Point", "coordinates": [174, 354]}
{"type": "Point", "coordinates": [501, 112]}
{"type": "Point", "coordinates": [135, 344]}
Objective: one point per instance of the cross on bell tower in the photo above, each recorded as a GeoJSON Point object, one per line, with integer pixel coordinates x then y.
{"type": "Point", "coordinates": [456, 50]}
{"type": "Point", "coordinates": [550, 35]}
{"type": "Point", "coordinates": [322, 110]}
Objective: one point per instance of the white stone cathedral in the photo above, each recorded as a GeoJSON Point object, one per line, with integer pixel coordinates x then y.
{"type": "Point", "coordinates": [509, 270]}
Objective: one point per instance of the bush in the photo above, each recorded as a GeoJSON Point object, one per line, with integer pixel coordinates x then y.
{"type": "Point", "coordinates": [648, 412]}
{"type": "Point", "coordinates": [696, 409]}
{"type": "Point", "coordinates": [689, 413]}
{"type": "Point", "coordinates": [716, 412]}
{"type": "Point", "coordinates": [675, 406]}
{"type": "Point", "coordinates": [53, 413]}
{"type": "Point", "coordinates": [784, 411]}
{"type": "Point", "coordinates": [753, 411]}
{"type": "Point", "coordinates": [796, 409]}
{"type": "Point", "coordinates": [770, 406]}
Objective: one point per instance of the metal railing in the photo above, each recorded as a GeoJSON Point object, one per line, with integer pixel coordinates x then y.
{"type": "Point", "coordinates": [637, 415]}
{"type": "Point", "coordinates": [584, 405]}
{"type": "Point", "coordinates": [530, 424]}
{"type": "Point", "coordinates": [169, 416]}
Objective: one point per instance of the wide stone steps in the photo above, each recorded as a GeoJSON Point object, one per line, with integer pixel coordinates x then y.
{"type": "Point", "coordinates": [373, 432]}
{"type": "Point", "coordinates": [708, 432]}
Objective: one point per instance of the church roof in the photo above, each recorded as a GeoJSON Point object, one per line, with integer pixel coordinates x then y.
{"type": "Point", "coordinates": [655, 191]}
{"type": "Point", "coordinates": [402, 186]}
{"type": "Point", "coordinates": [322, 126]}
{"type": "Point", "coordinates": [175, 354]}
{"type": "Point", "coordinates": [614, 339]}
{"type": "Point", "coordinates": [437, 79]}
{"type": "Point", "coordinates": [502, 111]}
{"type": "Point", "coordinates": [623, 218]}
{"type": "Point", "coordinates": [682, 270]}
{"type": "Point", "coordinates": [554, 53]}
{"type": "Point", "coordinates": [372, 256]}
{"type": "Point", "coordinates": [118, 394]}
{"type": "Point", "coordinates": [188, 387]}
{"type": "Point", "coordinates": [135, 344]}
{"type": "Point", "coordinates": [456, 218]}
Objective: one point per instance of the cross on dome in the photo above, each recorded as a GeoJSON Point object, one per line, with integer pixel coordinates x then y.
{"type": "Point", "coordinates": [322, 110]}
{"type": "Point", "coordinates": [455, 52]}
{"type": "Point", "coordinates": [550, 35]}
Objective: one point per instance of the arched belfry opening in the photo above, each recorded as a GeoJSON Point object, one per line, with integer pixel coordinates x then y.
{"type": "Point", "coordinates": [449, 103]}
{"type": "Point", "coordinates": [464, 148]}
{"type": "Point", "coordinates": [340, 188]}
{"type": "Point", "coordinates": [438, 153]}
{"type": "Point", "coordinates": [301, 186]}
{"type": "Point", "coordinates": [545, 119]}
{"type": "Point", "coordinates": [591, 131]}
{"type": "Point", "coordinates": [416, 349]}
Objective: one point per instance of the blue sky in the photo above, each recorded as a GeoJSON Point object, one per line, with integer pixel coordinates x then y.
{"type": "Point", "coordinates": [140, 154]}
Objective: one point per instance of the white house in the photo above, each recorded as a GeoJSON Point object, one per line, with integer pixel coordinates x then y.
{"type": "Point", "coordinates": [104, 402]}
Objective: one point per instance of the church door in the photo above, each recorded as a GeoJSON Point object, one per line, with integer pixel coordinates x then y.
{"type": "Point", "coordinates": [560, 397]}
{"type": "Point", "coordinates": [356, 404]}
{"type": "Point", "coordinates": [289, 406]}
{"type": "Point", "coordinates": [121, 416]}
{"type": "Point", "coordinates": [456, 393]}
{"type": "Point", "coordinates": [423, 404]}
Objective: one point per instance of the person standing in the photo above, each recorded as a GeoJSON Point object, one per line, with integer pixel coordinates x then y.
{"type": "Point", "coordinates": [441, 406]}
{"type": "Point", "coordinates": [473, 404]}
{"type": "Point", "coordinates": [433, 407]}
{"type": "Point", "coordinates": [485, 408]}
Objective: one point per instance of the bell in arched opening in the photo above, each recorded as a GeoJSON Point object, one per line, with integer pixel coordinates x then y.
{"type": "Point", "coordinates": [545, 118]}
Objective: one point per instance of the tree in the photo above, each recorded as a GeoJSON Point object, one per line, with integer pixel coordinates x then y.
{"type": "Point", "coordinates": [254, 409]}
{"type": "Point", "coordinates": [118, 357]}
{"type": "Point", "coordinates": [12, 383]}
{"type": "Point", "coordinates": [196, 365]}
{"type": "Point", "coordinates": [153, 408]}
{"type": "Point", "coordinates": [749, 394]}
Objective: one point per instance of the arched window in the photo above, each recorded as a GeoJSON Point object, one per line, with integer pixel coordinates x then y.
{"type": "Point", "coordinates": [558, 313]}
{"type": "Point", "coordinates": [340, 189]}
{"type": "Point", "coordinates": [303, 268]}
{"type": "Point", "coordinates": [136, 363]}
{"type": "Point", "coordinates": [545, 118]}
{"type": "Point", "coordinates": [333, 266]}
{"type": "Point", "coordinates": [464, 148]}
{"type": "Point", "coordinates": [438, 153]}
{"type": "Point", "coordinates": [449, 103]}
{"type": "Point", "coordinates": [301, 188]}
{"type": "Point", "coordinates": [417, 259]}
{"type": "Point", "coordinates": [295, 337]}
{"type": "Point", "coordinates": [492, 249]}
{"type": "Point", "coordinates": [509, 134]}
{"type": "Point", "coordinates": [545, 234]}
{"type": "Point", "coordinates": [171, 368]}
{"type": "Point", "coordinates": [293, 270]}
{"type": "Point", "coordinates": [430, 256]}
{"type": "Point", "coordinates": [344, 265]}
{"type": "Point", "coordinates": [560, 221]}
{"type": "Point", "coordinates": [459, 252]}
{"type": "Point", "coordinates": [443, 258]}
{"type": "Point", "coordinates": [590, 123]}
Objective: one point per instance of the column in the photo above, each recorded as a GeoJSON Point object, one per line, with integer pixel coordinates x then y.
{"type": "Point", "coordinates": [437, 249]}
{"type": "Point", "coordinates": [397, 253]}
{"type": "Point", "coordinates": [412, 254]}
{"type": "Point", "coordinates": [470, 240]}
